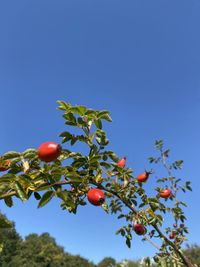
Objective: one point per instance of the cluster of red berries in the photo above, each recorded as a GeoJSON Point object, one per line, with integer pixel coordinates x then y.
{"type": "Point", "coordinates": [50, 151]}
{"type": "Point", "coordinates": [172, 234]}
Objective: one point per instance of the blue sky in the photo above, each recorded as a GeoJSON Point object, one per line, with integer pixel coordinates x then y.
{"type": "Point", "coordinates": [138, 59]}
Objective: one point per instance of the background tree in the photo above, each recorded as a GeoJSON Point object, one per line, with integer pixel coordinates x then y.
{"type": "Point", "coordinates": [104, 179]}
{"type": "Point", "coordinates": [35, 251]}
{"type": "Point", "coordinates": [107, 262]}
{"type": "Point", "coordinates": [193, 252]}
{"type": "Point", "coordinates": [10, 241]}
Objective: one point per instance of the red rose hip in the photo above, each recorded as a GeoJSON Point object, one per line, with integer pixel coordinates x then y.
{"type": "Point", "coordinates": [139, 229]}
{"type": "Point", "coordinates": [5, 165]}
{"type": "Point", "coordinates": [49, 151]}
{"type": "Point", "coordinates": [122, 162]}
{"type": "Point", "coordinates": [165, 193]}
{"type": "Point", "coordinates": [171, 236]}
{"type": "Point", "coordinates": [142, 177]}
{"type": "Point", "coordinates": [96, 196]}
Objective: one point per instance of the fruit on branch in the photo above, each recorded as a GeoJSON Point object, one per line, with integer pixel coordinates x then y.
{"type": "Point", "coordinates": [142, 177]}
{"type": "Point", "coordinates": [49, 151]}
{"type": "Point", "coordinates": [96, 196]}
{"type": "Point", "coordinates": [171, 236]}
{"type": "Point", "coordinates": [139, 229]}
{"type": "Point", "coordinates": [5, 165]}
{"type": "Point", "coordinates": [182, 225]}
{"type": "Point", "coordinates": [175, 225]}
{"type": "Point", "coordinates": [165, 193]}
{"type": "Point", "coordinates": [122, 162]}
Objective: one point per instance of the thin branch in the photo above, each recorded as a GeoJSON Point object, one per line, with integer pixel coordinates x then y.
{"type": "Point", "coordinates": [151, 242]}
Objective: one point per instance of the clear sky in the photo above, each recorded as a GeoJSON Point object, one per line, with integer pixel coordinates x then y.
{"type": "Point", "coordinates": [138, 59]}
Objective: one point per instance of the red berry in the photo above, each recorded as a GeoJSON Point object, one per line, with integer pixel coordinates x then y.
{"type": "Point", "coordinates": [171, 236]}
{"type": "Point", "coordinates": [5, 165]}
{"type": "Point", "coordinates": [165, 193]}
{"type": "Point", "coordinates": [143, 177]}
{"type": "Point", "coordinates": [49, 151]}
{"type": "Point", "coordinates": [139, 229]}
{"type": "Point", "coordinates": [96, 196]}
{"type": "Point", "coordinates": [122, 162]}
{"type": "Point", "coordinates": [175, 225]}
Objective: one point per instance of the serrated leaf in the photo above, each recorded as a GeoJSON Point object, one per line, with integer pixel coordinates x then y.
{"type": "Point", "coordinates": [63, 105]}
{"type": "Point", "coordinates": [105, 165]}
{"type": "Point", "coordinates": [37, 195]}
{"type": "Point", "coordinates": [29, 153]}
{"type": "Point", "coordinates": [8, 201]}
{"type": "Point", "coordinates": [21, 191]}
{"type": "Point", "coordinates": [106, 117]}
{"type": "Point", "coordinates": [7, 178]}
{"type": "Point", "coordinates": [82, 109]}
{"type": "Point", "coordinates": [98, 124]}
{"type": "Point", "coordinates": [105, 207]}
{"type": "Point", "coordinates": [46, 198]}
{"type": "Point", "coordinates": [11, 155]}
{"type": "Point", "coordinates": [113, 156]}
{"type": "Point", "coordinates": [128, 242]}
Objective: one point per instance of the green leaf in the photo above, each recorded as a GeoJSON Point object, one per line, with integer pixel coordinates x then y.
{"type": "Point", "coordinates": [187, 185]}
{"type": "Point", "coordinates": [82, 109]}
{"type": "Point", "coordinates": [95, 159]}
{"type": "Point", "coordinates": [121, 216]}
{"type": "Point", "coordinates": [21, 191]}
{"type": "Point", "coordinates": [11, 155]}
{"type": "Point", "coordinates": [73, 140]}
{"type": "Point", "coordinates": [91, 113]}
{"type": "Point", "coordinates": [66, 136]}
{"type": "Point", "coordinates": [98, 124]}
{"type": "Point", "coordinates": [105, 207]}
{"type": "Point", "coordinates": [80, 162]}
{"type": "Point", "coordinates": [27, 179]}
{"type": "Point", "coordinates": [37, 195]}
{"type": "Point", "coordinates": [159, 144]}
{"type": "Point", "coordinates": [128, 242]}
{"type": "Point", "coordinates": [71, 119]}
{"type": "Point", "coordinates": [7, 178]}
{"type": "Point", "coordinates": [104, 114]}
{"type": "Point", "coordinates": [64, 195]}
{"type": "Point", "coordinates": [46, 198]}
{"type": "Point", "coordinates": [63, 105]}
{"type": "Point", "coordinates": [105, 165]}
{"type": "Point", "coordinates": [29, 153]}
{"type": "Point", "coordinates": [8, 201]}
{"type": "Point", "coordinates": [120, 231]}
{"type": "Point", "coordinates": [113, 156]}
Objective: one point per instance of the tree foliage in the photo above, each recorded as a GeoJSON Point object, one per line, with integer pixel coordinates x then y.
{"type": "Point", "coordinates": [71, 176]}
{"type": "Point", "coordinates": [35, 251]}
{"type": "Point", "coordinates": [107, 262]}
